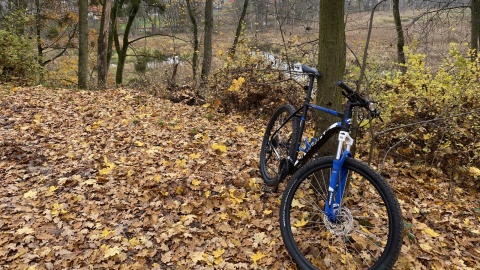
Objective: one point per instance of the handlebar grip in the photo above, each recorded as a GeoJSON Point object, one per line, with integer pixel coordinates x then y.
{"type": "Point", "coordinates": [344, 87]}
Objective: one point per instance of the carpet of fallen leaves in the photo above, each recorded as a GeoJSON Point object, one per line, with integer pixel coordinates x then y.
{"type": "Point", "coordinates": [121, 180]}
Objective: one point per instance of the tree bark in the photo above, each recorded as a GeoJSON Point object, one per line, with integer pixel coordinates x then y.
{"type": "Point", "coordinates": [191, 15]}
{"type": "Point", "coordinates": [331, 64]}
{"type": "Point", "coordinates": [83, 44]}
{"type": "Point", "coordinates": [102, 61]}
{"type": "Point", "coordinates": [238, 32]}
{"type": "Point", "coordinates": [475, 25]}
{"type": "Point", "coordinates": [207, 41]}
{"type": "Point", "coordinates": [400, 36]}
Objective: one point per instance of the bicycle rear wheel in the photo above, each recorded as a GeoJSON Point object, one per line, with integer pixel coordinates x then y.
{"type": "Point", "coordinates": [276, 149]}
{"type": "Point", "coordinates": [368, 232]}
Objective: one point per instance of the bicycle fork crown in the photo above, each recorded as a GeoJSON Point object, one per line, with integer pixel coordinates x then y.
{"type": "Point", "coordinates": [343, 137]}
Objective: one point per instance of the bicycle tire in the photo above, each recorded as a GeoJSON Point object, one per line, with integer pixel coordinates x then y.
{"type": "Point", "coordinates": [368, 234]}
{"type": "Point", "coordinates": [272, 169]}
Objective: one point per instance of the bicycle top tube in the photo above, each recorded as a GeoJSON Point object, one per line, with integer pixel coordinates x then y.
{"type": "Point", "coordinates": [326, 110]}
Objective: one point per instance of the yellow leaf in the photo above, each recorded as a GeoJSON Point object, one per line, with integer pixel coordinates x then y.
{"type": "Point", "coordinates": [37, 118]}
{"type": "Point", "coordinates": [426, 247]}
{"type": "Point", "coordinates": [195, 155]}
{"type": "Point", "coordinates": [30, 194]}
{"type": "Point", "coordinates": [51, 190]}
{"type": "Point", "coordinates": [267, 212]}
{"type": "Point", "coordinates": [110, 251]}
{"type": "Point", "coordinates": [235, 199]}
{"type": "Point", "coordinates": [301, 223]}
{"type": "Point", "coordinates": [181, 162]}
{"type": "Point", "coordinates": [196, 182]}
{"type": "Point", "coordinates": [25, 230]}
{"type": "Point", "coordinates": [157, 178]}
{"type": "Point", "coordinates": [474, 171]}
{"type": "Point", "coordinates": [134, 242]}
{"type": "Point", "coordinates": [109, 166]}
{"type": "Point", "coordinates": [296, 203]}
{"type": "Point", "coordinates": [105, 171]}
{"type": "Point", "coordinates": [240, 129]}
{"type": "Point", "coordinates": [257, 256]}
{"type": "Point", "coordinates": [222, 148]}
{"type": "Point", "coordinates": [218, 253]}
{"type": "Point", "coordinates": [431, 232]}
{"type": "Point", "coordinates": [107, 233]}
{"type": "Point", "coordinates": [139, 144]}
{"type": "Point", "coordinates": [207, 194]}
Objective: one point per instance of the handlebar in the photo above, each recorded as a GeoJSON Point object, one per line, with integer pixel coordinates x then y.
{"type": "Point", "coordinates": [354, 97]}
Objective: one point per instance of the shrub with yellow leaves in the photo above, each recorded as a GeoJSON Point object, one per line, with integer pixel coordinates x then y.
{"type": "Point", "coordinates": [434, 116]}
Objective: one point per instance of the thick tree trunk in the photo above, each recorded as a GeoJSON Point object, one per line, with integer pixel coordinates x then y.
{"type": "Point", "coordinates": [238, 32]}
{"type": "Point", "coordinates": [191, 15]}
{"type": "Point", "coordinates": [331, 63]}
{"type": "Point", "coordinates": [207, 40]}
{"type": "Point", "coordinates": [82, 44]}
{"type": "Point", "coordinates": [102, 61]}
{"type": "Point", "coordinates": [475, 28]}
{"type": "Point", "coordinates": [400, 36]}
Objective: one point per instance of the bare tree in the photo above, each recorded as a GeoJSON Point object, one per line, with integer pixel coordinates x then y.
{"type": "Point", "coordinates": [193, 20]}
{"type": "Point", "coordinates": [83, 44]}
{"type": "Point", "coordinates": [103, 44]}
{"type": "Point", "coordinates": [207, 40]}
{"type": "Point", "coordinates": [240, 24]}
{"type": "Point", "coordinates": [400, 36]}
{"type": "Point", "coordinates": [475, 21]}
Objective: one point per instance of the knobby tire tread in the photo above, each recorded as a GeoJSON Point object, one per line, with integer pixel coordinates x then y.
{"type": "Point", "coordinates": [392, 249]}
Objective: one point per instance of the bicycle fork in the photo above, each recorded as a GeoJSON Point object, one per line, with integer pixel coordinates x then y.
{"type": "Point", "coordinates": [338, 177]}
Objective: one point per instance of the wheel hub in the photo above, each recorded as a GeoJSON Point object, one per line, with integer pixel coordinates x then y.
{"type": "Point", "coordinates": [343, 223]}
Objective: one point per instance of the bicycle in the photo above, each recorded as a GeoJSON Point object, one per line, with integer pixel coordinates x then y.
{"type": "Point", "coordinates": [336, 211]}
{"type": "Point", "coordinates": [281, 153]}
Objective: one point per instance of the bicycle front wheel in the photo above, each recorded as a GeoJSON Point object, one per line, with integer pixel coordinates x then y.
{"type": "Point", "coordinates": [367, 233]}
{"type": "Point", "coordinates": [276, 149]}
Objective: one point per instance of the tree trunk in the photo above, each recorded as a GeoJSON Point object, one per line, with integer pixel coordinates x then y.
{"type": "Point", "coordinates": [191, 15]}
{"type": "Point", "coordinates": [239, 28]}
{"type": "Point", "coordinates": [122, 52]}
{"type": "Point", "coordinates": [207, 40]}
{"type": "Point", "coordinates": [475, 28]}
{"type": "Point", "coordinates": [112, 33]}
{"type": "Point", "coordinates": [400, 37]}
{"type": "Point", "coordinates": [103, 45]}
{"type": "Point", "coordinates": [83, 44]}
{"type": "Point", "coordinates": [331, 64]}
{"type": "Point", "coordinates": [38, 32]}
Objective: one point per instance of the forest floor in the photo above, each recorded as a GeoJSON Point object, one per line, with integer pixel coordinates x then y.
{"type": "Point", "coordinates": [118, 179]}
